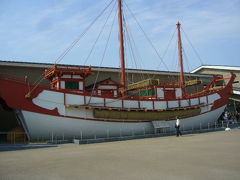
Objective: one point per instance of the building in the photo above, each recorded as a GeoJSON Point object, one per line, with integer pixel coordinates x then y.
{"type": "Point", "coordinates": [34, 72]}
{"type": "Point", "coordinates": [234, 104]}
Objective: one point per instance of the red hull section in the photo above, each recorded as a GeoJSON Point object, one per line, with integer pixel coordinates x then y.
{"type": "Point", "coordinates": [13, 92]}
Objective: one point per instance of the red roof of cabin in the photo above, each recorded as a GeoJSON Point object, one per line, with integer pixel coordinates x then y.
{"type": "Point", "coordinates": [67, 70]}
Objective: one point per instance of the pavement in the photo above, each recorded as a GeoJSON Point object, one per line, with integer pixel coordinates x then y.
{"type": "Point", "coordinates": [213, 155]}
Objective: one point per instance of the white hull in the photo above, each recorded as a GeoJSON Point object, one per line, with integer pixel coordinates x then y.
{"type": "Point", "coordinates": [42, 126]}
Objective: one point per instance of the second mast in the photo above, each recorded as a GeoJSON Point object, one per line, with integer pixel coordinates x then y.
{"type": "Point", "coordinates": [122, 56]}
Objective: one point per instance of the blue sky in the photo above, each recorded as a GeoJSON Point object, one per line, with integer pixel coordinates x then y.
{"type": "Point", "coordinates": [39, 31]}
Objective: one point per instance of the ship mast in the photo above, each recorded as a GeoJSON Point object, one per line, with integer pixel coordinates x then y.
{"type": "Point", "coordinates": [122, 57]}
{"type": "Point", "coordinates": [182, 82]}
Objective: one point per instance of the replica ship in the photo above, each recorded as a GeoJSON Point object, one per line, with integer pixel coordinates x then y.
{"type": "Point", "coordinates": [109, 108]}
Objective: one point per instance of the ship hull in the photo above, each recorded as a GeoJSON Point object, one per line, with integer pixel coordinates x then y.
{"type": "Point", "coordinates": [43, 126]}
{"type": "Point", "coordinates": [50, 113]}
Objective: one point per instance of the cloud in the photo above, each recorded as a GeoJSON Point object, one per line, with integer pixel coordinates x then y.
{"type": "Point", "coordinates": [198, 17]}
{"type": "Point", "coordinates": [44, 32]}
{"type": "Point", "coordinates": [48, 31]}
{"type": "Point", "coordinates": [205, 22]}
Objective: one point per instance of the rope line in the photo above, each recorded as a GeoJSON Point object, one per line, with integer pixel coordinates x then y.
{"type": "Point", "coordinates": [69, 48]}
{"type": "Point", "coordinates": [104, 53]}
{"type": "Point", "coordinates": [132, 47]}
{"type": "Point", "coordinates": [100, 33]}
{"type": "Point", "coordinates": [166, 50]}
{"type": "Point", "coordinates": [195, 51]}
{"type": "Point", "coordinates": [161, 59]}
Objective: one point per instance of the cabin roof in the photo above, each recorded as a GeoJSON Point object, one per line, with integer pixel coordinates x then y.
{"type": "Point", "coordinates": [61, 70]}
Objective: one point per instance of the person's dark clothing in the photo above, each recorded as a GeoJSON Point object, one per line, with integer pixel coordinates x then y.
{"type": "Point", "coordinates": [178, 130]}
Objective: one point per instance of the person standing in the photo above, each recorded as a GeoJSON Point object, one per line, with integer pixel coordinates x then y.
{"type": "Point", "coordinates": [177, 126]}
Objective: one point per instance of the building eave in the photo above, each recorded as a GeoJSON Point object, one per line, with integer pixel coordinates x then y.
{"type": "Point", "coordinates": [236, 92]}
{"type": "Point", "coordinates": [95, 68]}
{"type": "Point", "coordinates": [229, 68]}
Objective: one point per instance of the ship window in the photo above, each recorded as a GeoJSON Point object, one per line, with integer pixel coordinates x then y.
{"type": "Point", "coordinates": [144, 93]}
{"type": "Point", "coordinates": [71, 85]}
{"type": "Point", "coordinates": [148, 92]}
{"type": "Point", "coordinates": [151, 92]}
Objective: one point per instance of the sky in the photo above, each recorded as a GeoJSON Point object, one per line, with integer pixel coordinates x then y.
{"type": "Point", "coordinates": [40, 31]}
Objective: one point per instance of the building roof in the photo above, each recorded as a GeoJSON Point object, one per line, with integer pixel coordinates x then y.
{"type": "Point", "coordinates": [96, 68]}
{"type": "Point", "coordinates": [230, 68]}
{"type": "Point", "coordinates": [236, 91]}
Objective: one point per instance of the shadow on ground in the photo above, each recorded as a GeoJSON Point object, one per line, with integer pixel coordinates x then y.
{"type": "Point", "coordinates": [16, 147]}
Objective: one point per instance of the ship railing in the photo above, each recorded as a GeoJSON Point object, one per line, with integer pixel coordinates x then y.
{"type": "Point", "coordinates": [83, 137]}
{"type": "Point", "coordinates": [205, 92]}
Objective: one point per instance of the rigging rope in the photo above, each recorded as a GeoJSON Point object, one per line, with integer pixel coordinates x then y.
{"type": "Point", "coordinates": [166, 50]}
{"type": "Point", "coordinates": [100, 33]}
{"type": "Point", "coordinates": [132, 55]}
{"type": "Point", "coordinates": [104, 52]}
{"type": "Point", "coordinates": [132, 46]}
{"type": "Point", "coordinates": [131, 51]}
{"type": "Point", "coordinates": [161, 59]}
{"type": "Point", "coordinates": [175, 62]}
{"type": "Point", "coordinates": [192, 46]}
{"type": "Point", "coordinates": [186, 60]}
{"type": "Point", "coordinates": [68, 49]}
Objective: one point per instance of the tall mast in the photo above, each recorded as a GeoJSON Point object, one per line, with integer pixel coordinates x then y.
{"type": "Point", "coordinates": [182, 82]}
{"type": "Point", "coordinates": [122, 57]}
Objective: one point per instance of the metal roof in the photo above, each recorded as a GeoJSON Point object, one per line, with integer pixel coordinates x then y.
{"type": "Point", "coordinates": [236, 92]}
{"type": "Point", "coordinates": [96, 68]}
{"type": "Point", "coordinates": [230, 68]}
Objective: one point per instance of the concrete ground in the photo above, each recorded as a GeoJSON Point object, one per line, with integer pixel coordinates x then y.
{"type": "Point", "coordinates": [203, 156]}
